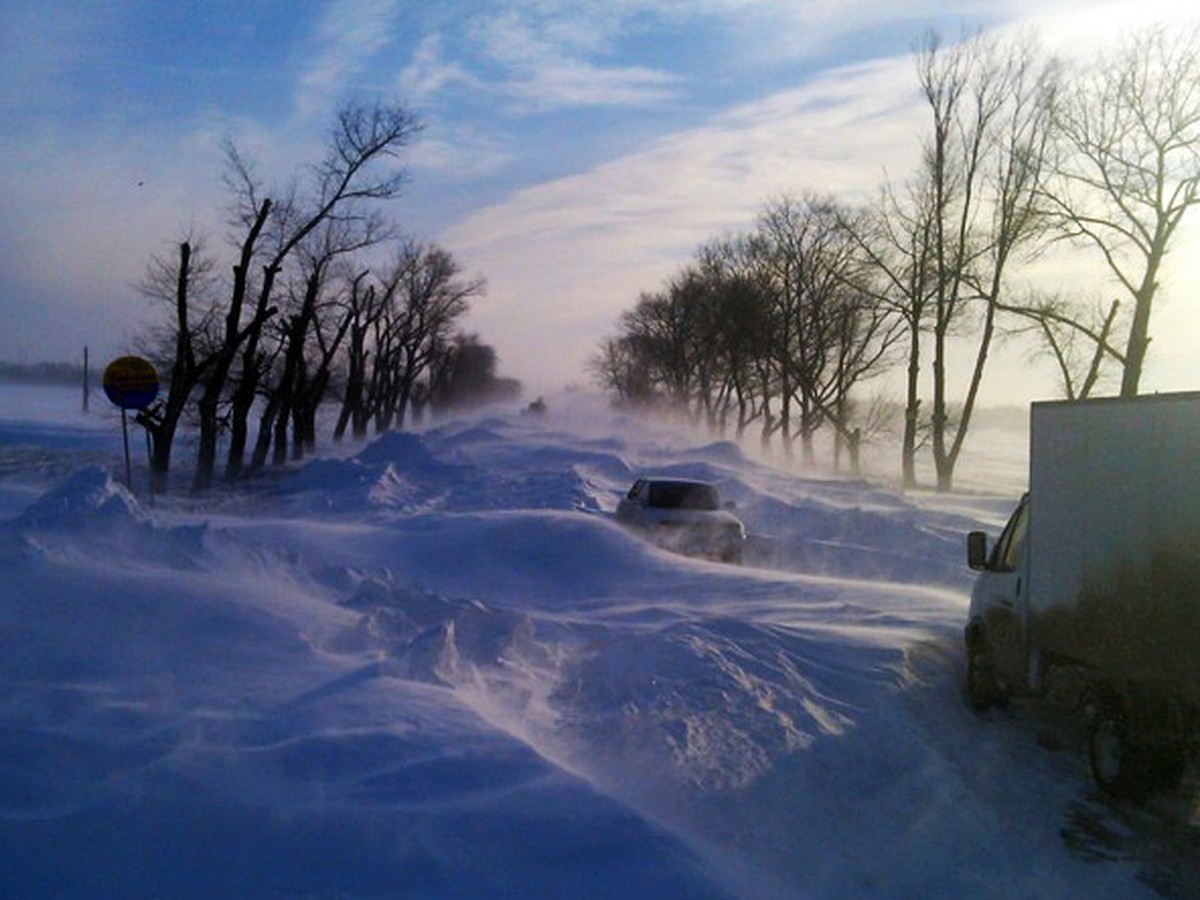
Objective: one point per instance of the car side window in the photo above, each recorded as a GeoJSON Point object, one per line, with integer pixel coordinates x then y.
{"type": "Point", "coordinates": [635, 490]}
{"type": "Point", "coordinates": [1008, 548]}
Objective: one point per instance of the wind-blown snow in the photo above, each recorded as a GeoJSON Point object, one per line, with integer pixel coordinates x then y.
{"type": "Point", "coordinates": [434, 666]}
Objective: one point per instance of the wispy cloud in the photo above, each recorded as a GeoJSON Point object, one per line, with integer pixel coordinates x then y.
{"type": "Point", "coordinates": [429, 73]}
{"type": "Point", "coordinates": [837, 133]}
{"type": "Point", "coordinates": [541, 56]}
{"type": "Point", "coordinates": [548, 64]}
{"type": "Point", "coordinates": [570, 255]}
{"type": "Point", "coordinates": [459, 152]}
{"type": "Point", "coordinates": [348, 36]}
{"type": "Point", "coordinates": [1073, 28]}
{"type": "Point", "coordinates": [560, 54]}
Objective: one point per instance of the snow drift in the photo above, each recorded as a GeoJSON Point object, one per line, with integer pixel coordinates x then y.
{"type": "Point", "coordinates": [436, 667]}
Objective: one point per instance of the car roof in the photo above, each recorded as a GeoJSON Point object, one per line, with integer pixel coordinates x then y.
{"type": "Point", "coordinates": [671, 479]}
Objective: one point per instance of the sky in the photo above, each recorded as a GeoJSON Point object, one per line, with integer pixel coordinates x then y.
{"type": "Point", "coordinates": [574, 154]}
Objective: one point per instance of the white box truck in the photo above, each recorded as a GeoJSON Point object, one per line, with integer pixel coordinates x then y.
{"type": "Point", "coordinates": [1091, 594]}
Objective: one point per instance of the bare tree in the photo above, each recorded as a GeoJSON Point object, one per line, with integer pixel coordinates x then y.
{"type": "Point", "coordinates": [467, 377]}
{"type": "Point", "coordinates": [619, 367]}
{"type": "Point", "coordinates": [360, 313]}
{"type": "Point", "coordinates": [737, 329]}
{"type": "Point", "coordinates": [184, 352]}
{"type": "Point", "coordinates": [828, 333]}
{"type": "Point", "coordinates": [311, 332]}
{"type": "Point", "coordinates": [894, 240]}
{"type": "Point", "coordinates": [233, 336]}
{"type": "Point", "coordinates": [866, 333]}
{"type": "Point", "coordinates": [344, 180]}
{"type": "Point", "coordinates": [1076, 338]}
{"type": "Point", "coordinates": [990, 107]}
{"type": "Point", "coordinates": [1129, 168]}
{"type": "Point", "coordinates": [420, 298]}
{"type": "Point", "coordinates": [662, 330]}
{"type": "Point", "coordinates": [697, 344]}
{"type": "Point", "coordinates": [759, 326]}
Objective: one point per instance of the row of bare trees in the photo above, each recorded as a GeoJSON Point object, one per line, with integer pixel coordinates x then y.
{"type": "Point", "coordinates": [1023, 157]}
{"type": "Point", "coordinates": [255, 354]}
{"type": "Point", "coordinates": [770, 329]}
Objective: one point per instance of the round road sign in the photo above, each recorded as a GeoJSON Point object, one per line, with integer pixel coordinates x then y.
{"type": "Point", "coordinates": [131, 382]}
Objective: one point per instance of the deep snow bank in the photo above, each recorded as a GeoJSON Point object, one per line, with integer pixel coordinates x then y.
{"type": "Point", "coordinates": [437, 668]}
{"type": "Point", "coordinates": [207, 723]}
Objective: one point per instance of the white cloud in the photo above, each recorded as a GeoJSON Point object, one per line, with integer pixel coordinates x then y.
{"type": "Point", "coordinates": [458, 152]}
{"type": "Point", "coordinates": [1075, 28]}
{"type": "Point", "coordinates": [429, 73]}
{"type": "Point", "coordinates": [545, 65]}
{"type": "Point", "coordinates": [348, 35]}
{"type": "Point", "coordinates": [566, 257]}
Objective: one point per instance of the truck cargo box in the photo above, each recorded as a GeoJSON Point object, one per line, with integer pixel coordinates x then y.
{"type": "Point", "coordinates": [1114, 537]}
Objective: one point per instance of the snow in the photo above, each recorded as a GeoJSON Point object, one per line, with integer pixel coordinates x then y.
{"type": "Point", "coordinates": [433, 666]}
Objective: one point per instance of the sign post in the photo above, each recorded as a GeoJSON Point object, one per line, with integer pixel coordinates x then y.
{"type": "Point", "coordinates": [130, 382]}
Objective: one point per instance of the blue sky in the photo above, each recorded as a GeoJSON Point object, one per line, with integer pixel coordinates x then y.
{"type": "Point", "coordinates": [574, 153]}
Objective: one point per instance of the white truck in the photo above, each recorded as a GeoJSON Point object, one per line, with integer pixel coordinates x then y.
{"type": "Point", "coordinates": [1091, 594]}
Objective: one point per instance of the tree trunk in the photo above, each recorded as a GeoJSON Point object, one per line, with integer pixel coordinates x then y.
{"type": "Point", "coordinates": [912, 411]}
{"type": "Point", "coordinates": [1139, 333]}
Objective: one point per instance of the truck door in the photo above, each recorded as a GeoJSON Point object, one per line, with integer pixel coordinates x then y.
{"type": "Point", "coordinates": [1004, 604]}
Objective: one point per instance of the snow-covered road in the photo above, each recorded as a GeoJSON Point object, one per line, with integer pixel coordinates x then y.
{"type": "Point", "coordinates": [434, 666]}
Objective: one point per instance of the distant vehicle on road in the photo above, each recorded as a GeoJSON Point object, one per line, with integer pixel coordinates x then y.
{"type": "Point", "coordinates": [685, 516]}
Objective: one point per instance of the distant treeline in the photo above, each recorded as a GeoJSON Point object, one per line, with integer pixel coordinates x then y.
{"type": "Point", "coordinates": [42, 372]}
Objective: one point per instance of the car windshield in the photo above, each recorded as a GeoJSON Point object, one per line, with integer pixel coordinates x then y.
{"type": "Point", "coordinates": [671, 495]}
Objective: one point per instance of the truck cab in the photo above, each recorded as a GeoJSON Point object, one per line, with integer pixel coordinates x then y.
{"type": "Point", "coordinates": [997, 648]}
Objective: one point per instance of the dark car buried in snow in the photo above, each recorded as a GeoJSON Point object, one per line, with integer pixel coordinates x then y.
{"type": "Point", "coordinates": [685, 516]}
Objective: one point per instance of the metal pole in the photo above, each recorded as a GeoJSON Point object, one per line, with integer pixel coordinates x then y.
{"type": "Point", "coordinates": [128, 466]}
{"type": "Point", "coordinates": [150, 463]}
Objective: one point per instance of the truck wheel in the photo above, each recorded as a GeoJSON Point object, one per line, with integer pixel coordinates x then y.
{"type": "Point", "coordinates": [983, 690]}
{"type": "Point", "coordinates": [1119, 767]}
{"type": "Point", "coordinates": [1107, 750]}
{"type": "Point", "coordinates": [1125, 768]}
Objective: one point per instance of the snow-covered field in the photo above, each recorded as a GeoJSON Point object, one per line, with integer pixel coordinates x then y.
{"type": "Point", "coordinates": [433, 666]}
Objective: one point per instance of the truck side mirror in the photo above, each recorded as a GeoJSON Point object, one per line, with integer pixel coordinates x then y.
{"type": "Point", "coordinates": [977, 550]}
